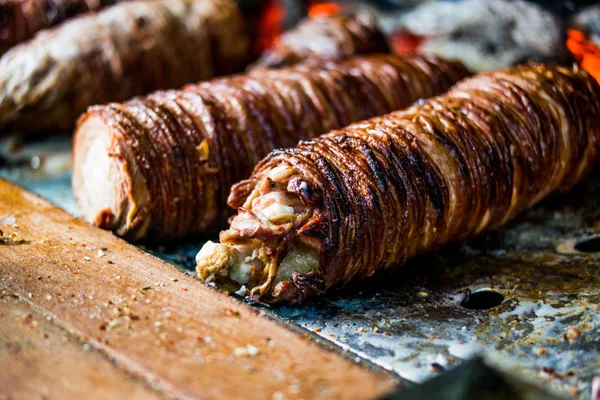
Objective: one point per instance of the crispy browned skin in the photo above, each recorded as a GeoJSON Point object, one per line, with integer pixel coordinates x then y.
{"type": "Point", "coordinates": [180, 151]}
{"type": "Point", "coordinates": [125, 50]}
{"type": "Point", "coordinates": [328, 38]}
{"type": "Point", "coordinates": [22, 19]}
{"type": "Point", "coordinates": [379, 192]}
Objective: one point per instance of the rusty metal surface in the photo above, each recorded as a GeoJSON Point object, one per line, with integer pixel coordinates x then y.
{"type": "Point", "coordinates": [416, 321]}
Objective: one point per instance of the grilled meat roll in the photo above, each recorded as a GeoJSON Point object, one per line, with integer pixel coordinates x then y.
{"type": "Point", "coordinates": [22, 19]}
{"type": "Point", "coordinates": [129, 49]}
{"type": "Point", "coordinates": [329, 38]}
{"type": "Point", "coordinates": [162, 166]}
{"type": "Point", "coordinates": [378, 192]}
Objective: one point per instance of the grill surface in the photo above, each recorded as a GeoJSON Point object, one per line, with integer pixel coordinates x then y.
{"type": "Point", "coordinates": [543, 268]}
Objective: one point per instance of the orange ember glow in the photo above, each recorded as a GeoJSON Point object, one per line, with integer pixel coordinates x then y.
{"type": "Point", "coordinates": [584, 50]}
{"type": "Point", "coordinates": [403, 42]}
{"type": "Point", "coordinates": [323, 9]}
{"type": "Point", "coordinates": [271, 22]}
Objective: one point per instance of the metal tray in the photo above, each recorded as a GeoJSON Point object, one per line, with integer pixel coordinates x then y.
{"type": "Point", "coordinates": [526, 296]}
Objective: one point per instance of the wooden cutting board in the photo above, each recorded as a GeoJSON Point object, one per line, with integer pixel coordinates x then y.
{"type": "Point", "coordinates": [83, 313]}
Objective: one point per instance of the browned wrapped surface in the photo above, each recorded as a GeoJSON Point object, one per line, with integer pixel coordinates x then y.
{"type": "Point", "coordinates": [331, 38]}
{"type": "Point", "coordinates": [22, 19]}
{"type": "Point", "coordinates": [129, 49]}
{"type": "Point", "coordinates": [387, 189]}
{"type": "Point", "coordinates": [162, 166]}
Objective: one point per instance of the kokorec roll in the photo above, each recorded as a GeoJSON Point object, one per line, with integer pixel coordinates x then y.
{"type": "Point", "coordinates": [22, 19]}
{"type": "Point", "coordinates": [161, 166]}
{"type": "Point", "coordinates": [125, 50]}
{"type": "Point", "coordinates": [326, 38]}
{"type": "Point", "coordinates": [376, 193]}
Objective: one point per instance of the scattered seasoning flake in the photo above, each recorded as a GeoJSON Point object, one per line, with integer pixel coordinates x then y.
{"type": "Point", "coordinates": [317, 330]}
{"type": "Point", "coordinates": [542, 351]}
{"type": "Point", "coordinates": [86, 258]}
{"type": "Point", "coordinates": [147, 287]}
{"type": "Point", "coordinates": [279, 396]}
{"type": "Point", "coordinates": [231, 312]}
{"type": "Point", "coordinates": [248, 351]}
{"type": "Point", "coordinates": [376, 329]}
{"type": "Point", "coordinates": [101, 253]}
{"type": "Point", "coordinates": [361, 330]}
{"type": "Point", "coordinates": [15, 237]}
{"type": "Point", "coordinates": [252, 351]}
{"type": "Point", "coordinates": [208, 339]}
{"type": "Point", "coordinates": [572, 334]}
{"type": "Point", "coordinates": [174, 279]}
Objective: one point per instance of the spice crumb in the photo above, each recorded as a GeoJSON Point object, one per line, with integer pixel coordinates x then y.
{"type": "Point", "coordinates": [231, 312]}
{"type": "Point", "coordinates": [542, 351]}
{"type": "Point", "coordinates": [279, 396]}
{"type": "Point", "coordinates": [571, 334]}
{"type": "Point", "coordinates": [15, 237]}
{"type": "Point", "coordinates": [248, 351]}
{"type": "Point", "coordinates": [147, 287]}
{"type": "Point", "coordinates": [86, 258]}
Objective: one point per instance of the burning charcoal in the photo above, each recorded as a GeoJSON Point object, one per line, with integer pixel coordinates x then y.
{"type": "Point", "coordinates": [488, 34]}
{"type": "Point", "coordinates": [588, 21]}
